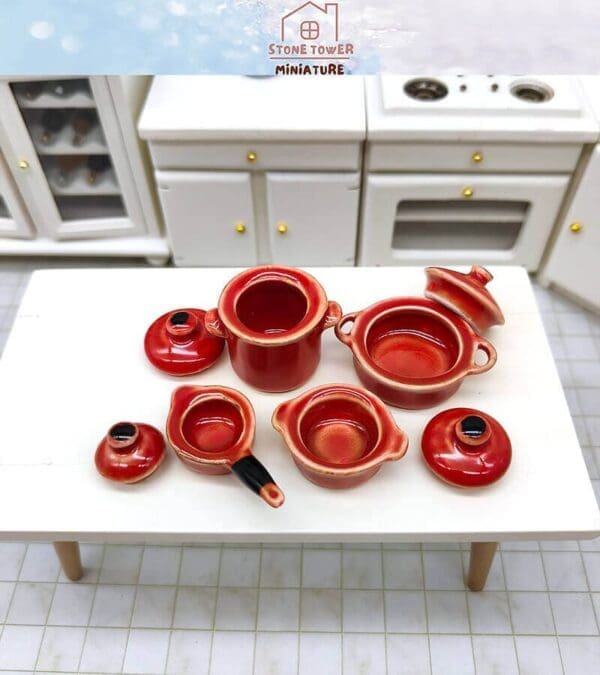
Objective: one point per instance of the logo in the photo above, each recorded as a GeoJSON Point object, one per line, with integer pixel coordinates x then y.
{"type": "Point", "coordinates": [310, 32]}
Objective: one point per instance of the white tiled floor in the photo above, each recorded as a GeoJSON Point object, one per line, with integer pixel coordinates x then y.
{"type": "Point", "coordinates": [316, 610]}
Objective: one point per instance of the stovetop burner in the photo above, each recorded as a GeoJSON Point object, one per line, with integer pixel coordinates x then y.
{"type": "Point", "coordinates": [426, 89]}
{"type": "Point", "coordinates": [532, 92]}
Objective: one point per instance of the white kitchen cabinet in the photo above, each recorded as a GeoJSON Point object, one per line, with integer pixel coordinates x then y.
{"type": "Point", "coordinates": [455, 219]}
{"type": "Point", "coordinates": [14, 219]}
{"type": "Point", "coordinates": [312, 217]}
{"type": "Point", "coordinates": [211, 217]}
{"type": "Point", "coordinates": [573, 262]}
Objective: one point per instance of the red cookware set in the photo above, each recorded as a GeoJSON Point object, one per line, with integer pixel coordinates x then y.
{"type": "Point", "coordinates": [409, 352]}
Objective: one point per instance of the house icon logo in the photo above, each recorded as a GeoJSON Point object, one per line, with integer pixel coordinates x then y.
{"type": "Point", "coordinates": [311, 21]}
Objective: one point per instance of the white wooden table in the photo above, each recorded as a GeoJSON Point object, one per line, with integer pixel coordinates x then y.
{"type": "Point", "coordinates": [74, 364]}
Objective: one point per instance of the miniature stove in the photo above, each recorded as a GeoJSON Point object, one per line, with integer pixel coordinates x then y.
{"type": "Point", "coordinates": [491, 107]}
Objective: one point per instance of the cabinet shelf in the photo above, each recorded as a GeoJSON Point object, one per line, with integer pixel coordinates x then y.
{"type": "Point", "coordinates": [61, 143]}
{"type": "Point", "coordinates": [106, 183]}
{"type": "Point", "coordinates": [80, 98]}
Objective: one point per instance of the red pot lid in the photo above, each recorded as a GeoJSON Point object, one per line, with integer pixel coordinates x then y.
{"type": "Point", "coordinates": [178, 343]}
{"type": "Point", "coordinates": [466, 447]}
{"type": "Point", "coordinates": [465, 294]}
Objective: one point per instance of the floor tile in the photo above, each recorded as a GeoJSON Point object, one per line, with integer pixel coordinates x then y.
{"type": "Point", "coordinates": [320, 653]}
{"type": "Point", "coordinates": [189, 652]}
{"type": "Point", "coordinates": [523, 571]}
{"type": "Point", "coordinates": [19, 646]}
{"type": "Point", "coordinates": [232, 653]}
{"type": "Point", "coordinates": [538, 655]}
{"type": "Point", "coordinates": [362, 569]}
{"type": "Point", "coordinates": [364, 654]}
{"type": "Point", "coordinates": [278, 609]}
{"type": "Point", "coordinates": [531, 613]}
{"type": "Point", "coordinates": [280, 568]}
{"type": "Point", "coordinates": [240, 567]}
{"type": "Point", "coordinates": [71, 605]}
{"type": "Point", "coordinates": [153, 607]}
{"type": "Point", "coordinates": [573, 323]}
{"type": "Point", "coordinates": [31, 603]}
{"type": "Point", "coordinates": [443, 570]}
{"type": "Point", "coordinates": [40, 563]}
{"type": "Point", "coordinates": [321, 569]}
{"type": "Point", "coordinates": [489, 612]}
{"type": "Point", "coordinates": [194, 607]}
{"type": "Point", "coordinates": [11, 559]}
{"type": "Point", "coordinates": [405, 612]}
{"type": "Point", "coordinates": [591, 562]}
{"type": "Point", "coordinates": [447, 611]}
{"type": "Point", "coordinates": [495, 654]}
{"type": "Point", "coordinates": [585, 373]}
{"type": "Point", "coordinates": [589, 401]}
{"type": "Point", "coordinates": [104, 650]}
{"type": "Point", "coordinates": [402, 570]}
{"type": "Point", "coordinates": [580, 347]}
{"type": "Point", "coordinates": [362, 611]}
{"type": "Point", "coordinates": [113, 606]}
{"type": "Point", "coordinates": [146, 651]}
{"type": "Point", "coordinates": [451, 655]}
{"type": "Point", "coordinates": [573, 614]}
{"type": "Point", "coordinates": [199, 566]}
{"type": "Point", "coordinates": [61, 648]}
{"type": "Point", "coordinates": [580, 655]}
{"type": "Point", "coordinates": [236, 608]}
{"type": "Point", "coordinates": [564, 571]}
{"type": "Point", "coordinates": [321, 610]}
{"type": "Point", "coordinates": [276, 653]}
{"type": "Point", "coordinates": [160, 565]}
{"type": "Point", "coordinates": [408, 655]}
{"type": "Point", "coordinates": [7, 588]}
{"type": "Point", "coordinates": [121, 564]}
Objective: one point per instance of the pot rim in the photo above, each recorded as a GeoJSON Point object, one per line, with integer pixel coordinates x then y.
{"type": "Point", "coordinates": [184, 398]}
{"type": "Point", "coordinates": [297, 408]}
{"type": "Point", "coordinates": [465, 336]}
{"type": "Point", "coordinates": [311, 289]}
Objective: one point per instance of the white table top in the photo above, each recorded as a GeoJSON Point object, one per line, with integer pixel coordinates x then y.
{"type": "Point", "coordinates": [242, 108]}
{"type": "Point", "coordinates": [74, 364]}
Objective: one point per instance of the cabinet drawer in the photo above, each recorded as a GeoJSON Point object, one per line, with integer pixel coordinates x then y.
{"type": "Point", "coordinates": [488, 157]}
{"type": "Point", "coordinates": [255, 156]}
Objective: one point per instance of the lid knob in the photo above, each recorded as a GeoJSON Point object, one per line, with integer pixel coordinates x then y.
{"type": "Point", "coordinates": [122, 436]}
{"type": "Point", "coordinates": [472, 430]}
{"type": "Point", "coordinates": [181, 324]}
{"type": "Point", "coordinates": [480, 274]}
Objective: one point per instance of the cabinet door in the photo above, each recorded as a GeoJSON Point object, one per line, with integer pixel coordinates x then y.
{"type": "Point", "coordinates": [312, 217]}
{"type": "Point", "coordinates": [209, 217]}
{"type": "Point", "coordinates": [424, 219]}
{"type": "Point", "coordinates": [66, 152]}
{"type": "Point", "coordinates": [573, 262]}
{"type": "Point", "coordinates": [14, 220]}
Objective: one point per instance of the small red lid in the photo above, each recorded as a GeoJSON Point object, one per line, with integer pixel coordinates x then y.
{"type": "Point", "coordinates": [465, 294]}
{"type": "Point", "coordinates": [466, 447]}
{"type": "Point", "coordinates": [178, 343]}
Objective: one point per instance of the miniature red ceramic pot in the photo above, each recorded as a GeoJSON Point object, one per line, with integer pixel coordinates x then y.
{"type": "Point", "coordinates": [211, 430]}
{"type": "Point", "coordinates": [178, 343]}
{"type": "Point", "coordinates": [130, 452]}
{"type": "Point", "coordinates": [466, 447]}
{"type": "Point", "coordinates": [272, 318]}
{"type": "Point", "coordinates": [413, 352]}
{"type": "Point", "coordinates": [465, 295]}
{"type": "Point", "coordinates": [339, 435]}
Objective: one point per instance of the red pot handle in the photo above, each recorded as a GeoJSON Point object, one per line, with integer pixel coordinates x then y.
{"type": "Point", "coordinates": [213, 324]}
{"type": "Point", "coordinates": [400, 446]}
{"type": "Point", "coordinates": [346, 338]}
{"type": "Point", "coordinates": [333, 315]}
{"type": "Point", "coordinates": [488, 349]}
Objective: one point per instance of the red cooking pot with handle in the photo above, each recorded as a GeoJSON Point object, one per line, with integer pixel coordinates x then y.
{"type": "Point", "coordinates": [272, 318]}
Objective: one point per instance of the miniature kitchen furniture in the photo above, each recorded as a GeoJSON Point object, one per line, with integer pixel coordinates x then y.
{"type": "Point", "coordinates": [77, 169]}
{"type": "Point", "coordinates": [468, 169]}
{"type": "Point", "coordinates": [48, 445]}
{"type": "Point", "coordinates": [572, 261]}
{"type": "Point", "coordinates": [257, 170]}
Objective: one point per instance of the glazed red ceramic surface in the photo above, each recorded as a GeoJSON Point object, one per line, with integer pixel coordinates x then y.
{"type": "Point", "coordinates": [272, 318]}
{"type": "Point", "coordinates": [211, 430]}
{"type": "Point", "coordinates": [413, 352]}
{"type": "Point", "coordinates": [178, 343]}
{"type": "Point", "coordinates": [466, 447]}
{"type": "Point", "coordinates": [465, 294]}
{"type": "Point", "coordinates": [339, 435]}
{"type": "Point", "coordinates": [130, 452]}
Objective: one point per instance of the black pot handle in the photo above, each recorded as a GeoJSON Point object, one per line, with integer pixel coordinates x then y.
{"type": "Point", "coordinates": [254, 475]}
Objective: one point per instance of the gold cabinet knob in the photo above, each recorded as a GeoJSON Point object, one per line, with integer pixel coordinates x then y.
{"type": "Point", "coordinates": [576, 228]}
{"type": "Point", "coordinates": [468, 192]}
{"type": "Point", "coordinates": [240, 228]}
{"type": "Point", "coordinates": [23, 164]}
{"type": "Point", "coordinates": [251, 156]}
{"type": "Point", "coordinates": [282, 228]}
{"type": "Point", "coordinates": [477, 158]}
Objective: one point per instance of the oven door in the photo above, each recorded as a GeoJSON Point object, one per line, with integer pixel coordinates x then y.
{"type": "Point", "coordinates": [450, 219]}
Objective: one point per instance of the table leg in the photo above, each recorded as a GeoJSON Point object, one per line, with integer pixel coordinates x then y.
{"type": "Point", "coordinates": [480, 561]}
{"type": "Point", "coordinates": [70, 558]}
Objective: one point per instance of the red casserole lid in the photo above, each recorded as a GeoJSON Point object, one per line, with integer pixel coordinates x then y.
{"type": "Point", "coordinates": [466, 447]}
{"type": "Point", "coordinates": [465, 294]}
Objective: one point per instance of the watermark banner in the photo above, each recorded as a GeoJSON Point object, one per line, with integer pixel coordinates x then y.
{"type": "Point", "coordinates": [292, 38]}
